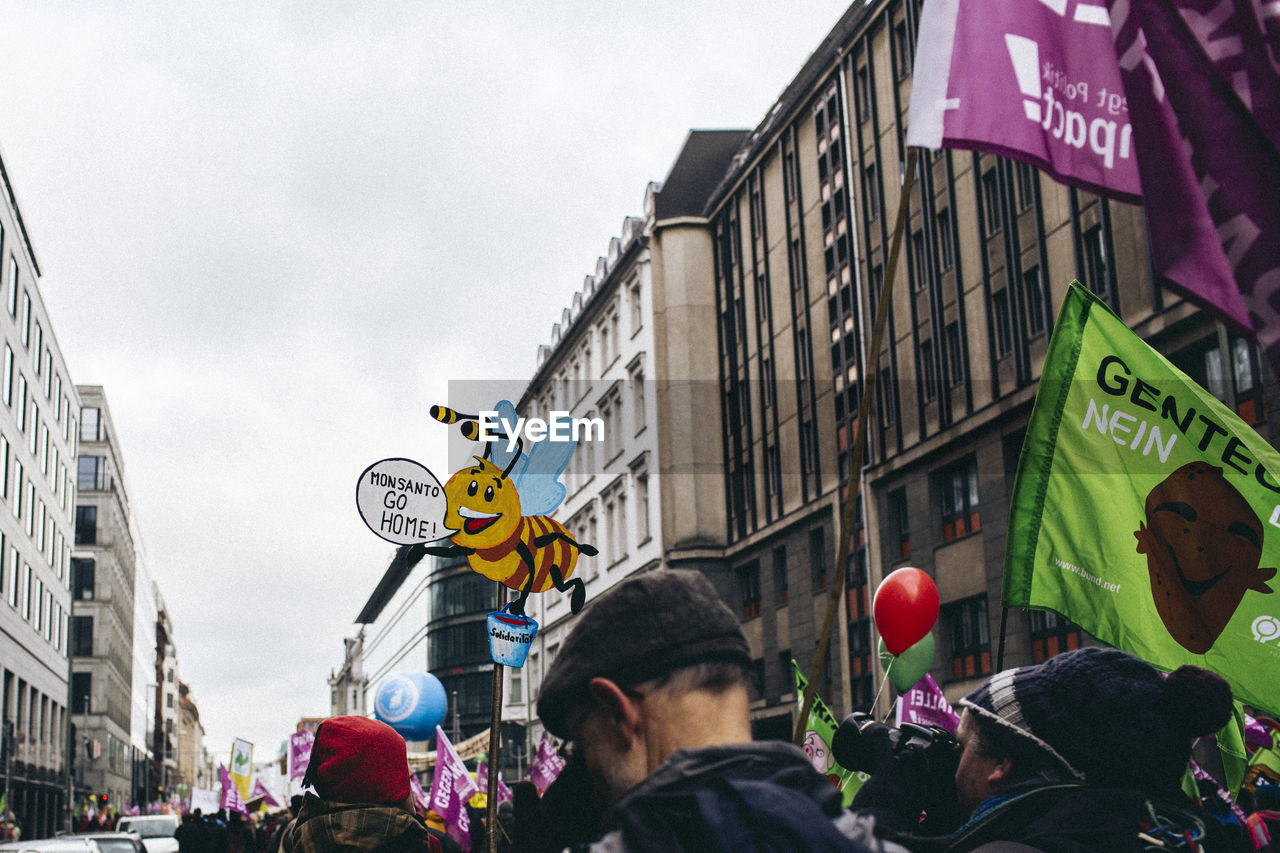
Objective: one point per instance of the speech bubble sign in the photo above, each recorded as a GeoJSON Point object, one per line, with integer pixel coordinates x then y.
{"type": "Point", "coordinates": [403, 502]}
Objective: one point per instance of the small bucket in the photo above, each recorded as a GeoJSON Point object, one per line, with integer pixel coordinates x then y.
{"type": "Point", "coordinates": [510, 637]}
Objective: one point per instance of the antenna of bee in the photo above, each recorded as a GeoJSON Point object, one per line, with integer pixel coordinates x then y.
{"type": "Point", "coordinates": [445, 415]}
{"type": "Point", "coordinates": [469, 426]}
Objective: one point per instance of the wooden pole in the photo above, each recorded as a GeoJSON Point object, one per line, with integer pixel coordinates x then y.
{"type": "Point", "coordinates": [495, 741]}
{"type": "Point", "coordinates": [871, 373]}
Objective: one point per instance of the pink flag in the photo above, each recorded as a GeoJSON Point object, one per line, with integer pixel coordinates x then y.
{"type": "Point", "coordinates": [1203, 87]}
{"type": "Point", "coordinates": [546, 765]}
{"type": "Point", "coordinates": [420, 800]}
{"type": "Point", "coordinates": [482, 782]}
{"type": "Point", "coordinates": [451, 787]}
{"type": "Point", "coordinates": [230, 798]}
{"type": "Point", "coordinates": [260, 790]}
{"type": "Point", "coordinates": [925, 705]}
{"type": "Point", "coordinates": [1034, 81]}
{"type": "Point", "coordinates": [300, 753]}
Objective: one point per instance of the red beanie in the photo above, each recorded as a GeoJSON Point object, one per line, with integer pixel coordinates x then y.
{"type": "Point", "coordinates": [358, 760]}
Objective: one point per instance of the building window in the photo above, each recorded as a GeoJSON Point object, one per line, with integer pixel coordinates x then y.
{"type": "Point", "coordinates": [90, 424]}
{"type": "Point", "coordinates": [637, 308]}
{"type": "Point", "coordinates": [26, 318]}
{"type": "Point", "coordinates": [82, 578]}
{"type": "Point", "coordinates": [1033, 296]}
{"type": "Point", "coordinates": [970, 637]}
{"type": "Point", "coordinates": [13, 286]}
{"type": "Point", "coordinates": [872, 189]}
{"type": "Point", "coordinates": [637, 399]}
{"type": "Point", "coordinates": [17, 489]}
{"type": "Point", "coordinates": [928, 371]}
{"type": "Point", "coordinates": [991, 201]}
{"type": "Point", "coordinates": [92, 475]}
{"type": "Point", "coordinates": [22, 403]}
{"type": "Point", "coordinates": [901, 522]}
{"type": "Point", "coordinates": [888, 399]}
{"type": "Point", "coordinates": [749, 588]}
{"type": "Point", "coordinates": [1097, 274]}
{"type": "Point", "coordinates": [1051, 634]}
{"type": "Point", "coordinates": [946, 248]}
{"type": "Point", "coordinates": [1026, 177]}
{"type": "Point", "coordinates": [781, 586]}
{"type": "Point", "coordinates": [82, 636]}
{"type": "Point", "coordinates": [901, 51]}
{"type": "Point", "coordinates": [14, 559]}
{"type": "Point", "coordinates": [918, 256]}
{"type": "Point", "coordinates": [958, 488]}
{"type": "Point", "coordinates": [8, 375]}
{"type": "Point", "coordinates": [864, 93]}
{"type": "Point", "coordinates": [955, 355]}
{"type": "Point", "coordinates": [818, 558]}
{"type": "Point", "coordinates": [1247, 374]}
{"type": "Point", "coordinates": [86, 525]}
{"type": "Point", "coordinates": [81, 687]}
{"type": "Point", "coordinates": [26, 591]}
{"type": "Point", "coordinates": [1003, 322]}
{"type": "Point", "coordinates": [642, 506]}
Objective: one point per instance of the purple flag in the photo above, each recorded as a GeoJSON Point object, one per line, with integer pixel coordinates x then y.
{"type": "Point", "coordinates": [260, 790]}
{"type": "Point", "coordinates": [1199, 773]}
{"type": "Point", "coordinates": [925, 705]}
{"type": "Point", "coordinates": [546, 765]}
{"type": "Point", "coordinates": [1026, 80]}
{"type": "Point", "coordinates": [482, 782]}
{"type": "Point", "coordinates": [1203, 85]}
{"type": "Point", "coordinates": [420, 800]}
{"type": "Point", "coordinates": [451, 787]}
{"type": "Point", "coordinates": [300, 753]}
{"type": "Point", "coordinates": [230, 798]}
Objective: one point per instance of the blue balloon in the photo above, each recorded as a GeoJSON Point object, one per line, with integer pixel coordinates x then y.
{"type": "Point", "coordinates": [412, 703]}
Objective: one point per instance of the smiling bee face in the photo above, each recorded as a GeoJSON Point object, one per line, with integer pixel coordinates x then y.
{"type": "Point", "coordinates": [1203, 544]}
{"type": "Point", "coordinates": [483, 506]}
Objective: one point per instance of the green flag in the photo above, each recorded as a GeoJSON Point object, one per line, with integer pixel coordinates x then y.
{"type": "Point", "coordinates": [819, 732]}
{"type": "Point", "coordinates": [1145, 510]}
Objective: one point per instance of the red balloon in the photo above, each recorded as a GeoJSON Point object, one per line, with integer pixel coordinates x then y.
{"type": "Point", "coordinates": [905, 608]}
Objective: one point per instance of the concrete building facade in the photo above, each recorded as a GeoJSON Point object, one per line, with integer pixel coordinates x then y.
{"type": "Point", "coordinates": [39, 422]}
{"type": "Point", "coordinates": [102, 609]}
{"type": "Point", "coordinates": [599, 368]}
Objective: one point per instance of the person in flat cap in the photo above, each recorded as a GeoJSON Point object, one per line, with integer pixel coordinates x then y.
{"type": "Point", "coordinates": [651, 691]}
{"type": "Point", "coordinates": [359, 771]}
{"type": "Point", "coordinates": [1083, 752]}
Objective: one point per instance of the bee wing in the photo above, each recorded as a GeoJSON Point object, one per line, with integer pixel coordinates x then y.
{"type": "Point", "coordinates": [498, 453]}
{"type": "Point", "coordinates": [537, 475]}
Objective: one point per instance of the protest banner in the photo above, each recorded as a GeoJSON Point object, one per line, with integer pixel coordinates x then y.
{"type": "Point", "coordinates": [819, 732]}
{"type": "Point", "coordinates": [1145, 510]}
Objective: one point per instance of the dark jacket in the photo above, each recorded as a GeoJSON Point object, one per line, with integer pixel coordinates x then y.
{"type": "Point", "coordinates": [325, 827]}
{"type": "Point", "coordinates": [762, 796]}
{"type": "Point", "coordinates": [1072, 818]}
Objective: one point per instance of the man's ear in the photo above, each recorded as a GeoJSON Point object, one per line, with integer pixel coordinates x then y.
{"type": "Point", "coordinates": [621, 708]}
{"type": "Point", "coordinates": [1000, 772]}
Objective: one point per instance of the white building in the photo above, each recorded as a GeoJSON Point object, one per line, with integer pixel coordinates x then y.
{"type": "Point", "coordinates": [38, 429]}
{"type": "Point", "coordinates": [599, 365]}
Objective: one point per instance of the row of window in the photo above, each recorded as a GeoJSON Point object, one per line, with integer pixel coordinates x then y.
{"type": "Point", "coordinates": [584, 526]}
{"type": "Point", "coordinates": [574, 382]}
{"type": "Point", "coordinates": [38, 719]}
{"type": "Point", "coordinates": [25, 592]}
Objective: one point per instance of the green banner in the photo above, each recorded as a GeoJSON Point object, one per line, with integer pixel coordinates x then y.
{"type": "Point", "coordinates": [1145, 510]}
{"type": "Point", "coordinates": [817, 742]}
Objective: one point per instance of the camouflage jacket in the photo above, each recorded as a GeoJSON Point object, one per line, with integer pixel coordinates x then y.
{"type": "Point", "coordinates": [327, 827]}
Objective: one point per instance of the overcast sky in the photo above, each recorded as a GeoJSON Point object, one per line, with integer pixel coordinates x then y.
{"type": "Point", "coordinates": [275, 232]}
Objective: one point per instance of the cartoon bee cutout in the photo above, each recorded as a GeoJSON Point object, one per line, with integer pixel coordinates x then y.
{"type": "Point", "coordinates": [499, 506]}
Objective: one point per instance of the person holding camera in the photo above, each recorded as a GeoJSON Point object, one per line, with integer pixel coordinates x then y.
{"type": "Point", "coordinates": [1084, 752]}
{"type": "Point", "coordinates": [650, 688]}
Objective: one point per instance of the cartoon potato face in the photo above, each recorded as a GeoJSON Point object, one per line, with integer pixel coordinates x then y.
{"type": "Point", "coordinates": [1203, 544]}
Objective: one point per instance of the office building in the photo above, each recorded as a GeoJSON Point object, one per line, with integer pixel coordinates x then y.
{"type": "Point", "coordinates": [38, 432]}
{"type": "Point", "coordinates": [102, 609]}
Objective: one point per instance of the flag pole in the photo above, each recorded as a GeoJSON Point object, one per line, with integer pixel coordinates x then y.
{"type": "Point", "coordinates": [495, 741]}
{"type": "Point", "coordinates": [870, 375]}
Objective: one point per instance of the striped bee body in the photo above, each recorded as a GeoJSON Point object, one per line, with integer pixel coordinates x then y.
{"type": "Point", "coordinates": [511, 561]}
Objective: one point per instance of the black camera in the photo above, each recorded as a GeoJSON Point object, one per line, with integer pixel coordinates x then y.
{"type": "Point", "coordinates": [862, 743]}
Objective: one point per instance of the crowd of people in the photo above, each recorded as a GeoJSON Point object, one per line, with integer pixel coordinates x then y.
{"type": "Point", "coordinates": [1085, 752]}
